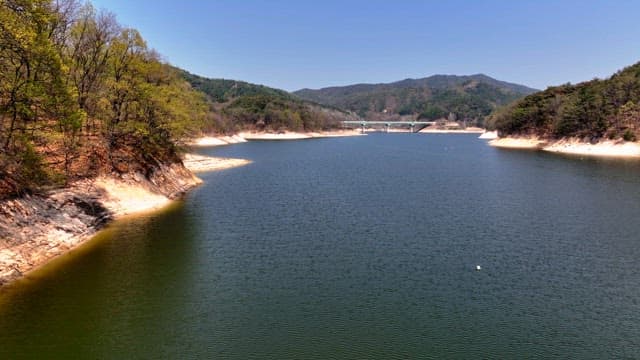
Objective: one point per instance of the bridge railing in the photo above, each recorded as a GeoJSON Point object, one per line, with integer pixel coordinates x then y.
{"type": "Point", "coordinates": [413, 126]}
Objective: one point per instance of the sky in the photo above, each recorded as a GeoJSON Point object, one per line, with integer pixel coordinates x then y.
{"type": "Point", "coordinates": [294, 44]}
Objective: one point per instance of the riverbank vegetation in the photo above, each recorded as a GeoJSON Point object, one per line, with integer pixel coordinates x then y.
{"type": "Point", "coordinates": [468, 99]}
{"type": "Point", "coordinates": [80, 94]}
{"type": "Point", "coordinates": [593, 110]}
{"type": "Point", "coordinates": [237, 105]}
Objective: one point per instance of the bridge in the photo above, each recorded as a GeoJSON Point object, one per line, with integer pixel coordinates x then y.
{"type": "Point", "coordinates": [413, 126]}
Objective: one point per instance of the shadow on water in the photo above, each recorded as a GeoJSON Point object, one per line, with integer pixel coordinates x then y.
{"type": "Point", "coordinates": [123, 287]}
{"type": "Point", "coordinates": [359, 247]}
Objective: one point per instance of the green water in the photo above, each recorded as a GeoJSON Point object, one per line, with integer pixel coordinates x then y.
{"type": "Point", "coordinates": [355, 248]}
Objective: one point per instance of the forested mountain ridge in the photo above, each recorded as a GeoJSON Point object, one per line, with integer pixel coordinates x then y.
{"type": "Point", "coordinates": [223, 90]}
{"type": "Point", "coordinates": [82, 95]}
{"type": "Point", "coordinates": [594, 109]}
{"type": "Point", "coordinates": [239, 105]}
{"type": "Point", "coordinates": [468, 97]}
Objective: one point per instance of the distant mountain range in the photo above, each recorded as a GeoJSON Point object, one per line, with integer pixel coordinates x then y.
{"type": "Point", "coordinates": [469, 97]}
{"type": "Point", "coordinates": [239, 105]}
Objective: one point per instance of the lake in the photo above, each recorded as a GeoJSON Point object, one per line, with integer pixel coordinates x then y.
{"type": "Point", "coordinates": [355, 248]}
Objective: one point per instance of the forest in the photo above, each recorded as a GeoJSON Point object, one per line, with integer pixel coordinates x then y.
{"type": "Point", "coordinates": [80, 95]}
{"type": "Point", "coordinates": [469, 98]}
{"type": "Point", "coordinates": [238, 105]}
{"type": "Point", "coordinates": [592, 110]}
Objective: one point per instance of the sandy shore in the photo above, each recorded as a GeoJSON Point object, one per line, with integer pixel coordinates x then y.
{"type": "Point", "coordinates": [288, 135]}
{"type": "Point", "coordinates": [488, 135]}
{"type": "Point", "coordinates": [609, 148]}
{"type": "Point", "coordinates": [443, 131]}
{"type": "Point", "coordinates": [125, 198]}
{"type": "Point", "coordinates": [199, 163]}
{"type": "Point", "coordinates": [217, 140]}
{"type": "Point", "coordinates": [36, 228]}
{"type": "Point", "coordinates": [532, 143]}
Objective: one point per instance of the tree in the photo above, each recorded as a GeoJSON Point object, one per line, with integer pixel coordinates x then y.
{"type": "Point", "coordinates": [75, 85]}
{"type": "Point", "coordinates": [88, 53]}
{"type": "Point", "coordinates": [591, 109]}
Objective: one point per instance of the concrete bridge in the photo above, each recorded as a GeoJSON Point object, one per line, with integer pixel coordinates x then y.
{"type": "Point", "coordinates": [412, 126]}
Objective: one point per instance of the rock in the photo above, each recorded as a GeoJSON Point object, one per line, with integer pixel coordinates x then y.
{"type": "Point", "coordinates": [35, 228]}
{"type": "Point", "coordinates": [9, 276]}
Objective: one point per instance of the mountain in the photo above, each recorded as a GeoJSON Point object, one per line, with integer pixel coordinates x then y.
{"type": "Point", "coordinates": [469, 97]}
{"type": "Point", "coordinates": [82, 96]}
{"type": "Point", "coordinates": [594, 109]}
{"type": "Point", "coordinates": [223, 90]}
{"type": "Point", "coordinates": [238, 105]}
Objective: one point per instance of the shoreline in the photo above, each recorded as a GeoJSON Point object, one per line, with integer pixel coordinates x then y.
{"type": "Point", "coordinates": [216, 140]}
{"type": "Point", "coordinates": [571, 146]}
{"type": "Point", "coordinates": [445, 131]}
{"type": "Point", "coordinates": [291, 135]}
{"type": "Point", "coordinates": [200, 163]}
{"type": "Point", "coordinates": [35, 229]}
{"type": "Point", "coordinates": [488, 135]}
{"type": "Point", "coordinates": [244, 136]}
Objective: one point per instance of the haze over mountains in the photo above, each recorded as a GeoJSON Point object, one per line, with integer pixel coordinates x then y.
{"type": "Point", "coordinates": [470, 97]}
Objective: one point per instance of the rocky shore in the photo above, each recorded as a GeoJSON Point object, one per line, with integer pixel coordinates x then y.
{"type": "Point", "coordinates": [216, 140]}
{"type": "Point", "coordinates": [199, 163]}
{"type": "Point", "coordinates": [35, 228]}
{"type": "Point", "coordinates": [607, 148]}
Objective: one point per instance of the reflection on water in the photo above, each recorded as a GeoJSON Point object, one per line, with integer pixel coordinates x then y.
{"type": "Point", "coordinates": [359, 247]}
{"type": "Point", "coordinates": [119, 286]}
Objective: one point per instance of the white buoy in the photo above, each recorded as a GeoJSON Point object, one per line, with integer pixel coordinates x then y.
{"type": "Point", "coordinates": [478, 268]}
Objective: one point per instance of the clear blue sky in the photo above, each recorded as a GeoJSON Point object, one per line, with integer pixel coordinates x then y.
{"type": "Point", "coordinates": [292, 44]}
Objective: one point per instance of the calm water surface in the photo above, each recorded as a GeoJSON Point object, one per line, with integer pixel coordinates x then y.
{"type": "Point", "coordinates": [356, 248]}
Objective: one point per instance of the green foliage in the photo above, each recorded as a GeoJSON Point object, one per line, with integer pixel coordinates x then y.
{"type": "Point", "coordinates": [31, 164]}
{"type": "Point", "coordinates": [629, 135]}
{"type": "Point", "coordinates": [432, 112]}
{"type": "Point", "coordinates": [74, 85]}
{"type": "Point", "coordinates": [223, 90]}
{"type": "Point", "coordinates": [470, 98]}
{"type": "Point", "coordinates": [237, 105]}
{"type": "Point", "coordinates": [599, 108]}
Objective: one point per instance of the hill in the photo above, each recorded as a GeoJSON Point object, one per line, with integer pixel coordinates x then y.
{"type": "Point", "coordinates": [467, 97]}
{"type": "Point", "coordinates": [594, 109]}
{"type": "Point", "coordinates": [81, 95]}
{"type": "Point", "coordinates": [223, 90]}
{"type": "Point", "coordinates": [238, 105]}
